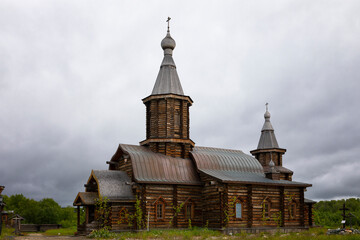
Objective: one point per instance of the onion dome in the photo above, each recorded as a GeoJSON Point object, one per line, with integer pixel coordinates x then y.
{"type": "Point", "coordinates": [167, 81]}
{"type": "Point", "coordinates": [168, 42]}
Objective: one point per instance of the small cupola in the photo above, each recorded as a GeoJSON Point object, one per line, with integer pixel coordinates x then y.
{"type": "Point", "coordinates": [268, 148]}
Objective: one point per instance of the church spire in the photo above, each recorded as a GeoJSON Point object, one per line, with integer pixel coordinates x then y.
{"type": "Point", "coordinates": [167, 81]}
{"type": "Point", "coordinates": [267, 138]}
{"type": "Point", "coordinates": [167, 109]}
{"type": "Point", "coordinates": [268, 152]}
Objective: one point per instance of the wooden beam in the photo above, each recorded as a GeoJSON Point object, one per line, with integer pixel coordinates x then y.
{"type": "Point", "coordinates": [282, 206]}
{"type": "Point", "coordinates": [78, 217]}
{"type": "Point", "coordinates": [249, 206]}
{"type": "Point", "coordinates": [302, 207]}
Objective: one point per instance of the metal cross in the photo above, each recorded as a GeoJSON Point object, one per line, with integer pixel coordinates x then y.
{"type": "Point", "coordinates": [168, 21]}
{"type": "Point", "coordinates": [266, 104]}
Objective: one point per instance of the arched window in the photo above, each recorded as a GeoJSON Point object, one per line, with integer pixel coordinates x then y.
{"type": "Point", "coordinates": [292, 209]}
{"type": "Point", "coordinates": [266, 207]}
{"type": "Point", "coordinates": [123, 215]}
{"type": "Point", "coordinates": [189, 208]}
{"type": "Point", "coordinates": [159, 208]}
{"type": "Point", "coordinates": [239, 205]}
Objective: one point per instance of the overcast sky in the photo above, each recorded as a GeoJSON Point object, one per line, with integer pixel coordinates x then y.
{"type": "Point", "coordinates": [73, 73]}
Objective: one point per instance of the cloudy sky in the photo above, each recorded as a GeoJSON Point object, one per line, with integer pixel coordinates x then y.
{"type": "Point", "coordinates": [73, 73]}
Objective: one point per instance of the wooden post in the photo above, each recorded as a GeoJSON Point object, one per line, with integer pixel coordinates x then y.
{"type": "Point", "coordinates": [310, 215]}
{"type": "Point", "coordinates": [282, 206]}
{"type": "Point", "coordinates": [78, 217]}
{"type": "Point", "coordinates": [302, 207]}
{"type": "Point", "coordinates": [221, 210]}
{"type": "Point", "coordinates": [175, 204]}
{"type": "Point", "coordinates": [249, 206]}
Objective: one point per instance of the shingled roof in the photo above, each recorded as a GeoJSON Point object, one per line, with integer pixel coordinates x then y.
{"type": "Point", "coordinates": [114, 185]}
{"type": "Point", "coordinates": [85, 198]}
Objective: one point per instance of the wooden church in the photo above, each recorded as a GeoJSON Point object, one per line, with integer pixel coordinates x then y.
{"type": "Point", "coordinates": [168, 182]}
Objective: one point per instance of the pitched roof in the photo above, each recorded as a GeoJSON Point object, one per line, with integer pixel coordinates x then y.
{"type": "Point", "coordinates": [151, 167]}
{"type": "Point", "coordinates": [114, 185]}
{"type": "Point", "coordinates": [85, 198]}
{"type": "Point", "coordinates": [167, 81]}
{"type": "Point", "coordinates": [267, 138]}
{"type": "Point", "coordinates": [225, 159]}
{"type": "Point", "coordinates": [233, 166]}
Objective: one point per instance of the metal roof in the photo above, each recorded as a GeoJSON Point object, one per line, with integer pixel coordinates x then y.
{"type": "Point", "coordinates": [280, 169]}
{"type": "Point", "coordinates": [249, 178]}
{"type": "Point", "coordinates": [114, 185]}
{"type": "Point", "coordinates": [225, 159]}
{"type": "Point", "coordinates": [151, 167]}
{"type": "Point", "coordinates": [267, 138]}
{"type": "Point", "coordinates": [168, 81]}
{"type": "Point", "coordinates": [234, 166]}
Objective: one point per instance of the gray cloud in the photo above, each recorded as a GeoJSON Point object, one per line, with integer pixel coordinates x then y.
{"type": "Point", "coordinates": [72, 76]}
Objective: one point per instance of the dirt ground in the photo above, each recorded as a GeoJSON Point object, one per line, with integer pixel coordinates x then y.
{"type": "Point", "coordinates": [39, 236]}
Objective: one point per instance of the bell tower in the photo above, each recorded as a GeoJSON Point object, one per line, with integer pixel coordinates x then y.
{"type": "Point", "coordinates": [268, 152]}
{"type": "Point", "coordinates": [167, 109]}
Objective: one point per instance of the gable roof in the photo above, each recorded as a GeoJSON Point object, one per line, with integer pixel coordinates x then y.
{"type": "Point", "coordinates": [207, 158]}
{"type": "Point", "coordinates": [114, 185]}
{"type": "Point", "coordinates": [151, 167]}
{"type": "Point", "coordinates": [85, 198]}
{"type": "Point", "coordinates": [234, 166]}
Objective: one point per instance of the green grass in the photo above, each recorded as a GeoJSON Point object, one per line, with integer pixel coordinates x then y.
{"type": "Point", "coordinates": [61, 232]}
{"type": "Point", "coordinates": [6, 232]}
{"type": "Point", "coordinates": [200, 233]}
{"type": "Point", "coordinates": [195, 233]}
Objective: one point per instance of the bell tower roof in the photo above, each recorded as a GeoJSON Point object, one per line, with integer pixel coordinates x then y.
{"type": "Point", "coordinates": [267, 138]}
{"type": "Point", "coordinates": [167, 81]}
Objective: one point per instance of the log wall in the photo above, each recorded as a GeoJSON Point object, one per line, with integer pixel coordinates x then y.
{"type": "Point", "coordinates": [118, 216]}
{"type": "Point", "coordinates": [168, 118]}
{"type": "Point", "coordinates": [172, 195]}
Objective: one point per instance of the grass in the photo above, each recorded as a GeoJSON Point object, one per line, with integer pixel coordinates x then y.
{"type": "Point", "coordinates": [61, 232]}
{"type": "Point", "coordinates": [6, 232]}
{"type": "Point", "coordinates": [200, 233]}
{"type": "Point", "coordinates": [195, 233]}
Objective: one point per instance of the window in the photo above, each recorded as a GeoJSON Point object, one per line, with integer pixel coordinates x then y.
{"type": "Point", "coordinates": [238, 210]}
{"type": "Point", "coordinates": [292, 210]}
{"type": "Point", "coordinates": [160, 211]}
{"type": "Point", "coordinates": [159, 206]}
{"type": "Point", "coordinates": [189, 211]}
{"type": "Point", "coordinates": [266, 207]}
{"type": "Point", "coordinates": [123, 216]}
{"type": "Point", "coordinates": [177, 123]}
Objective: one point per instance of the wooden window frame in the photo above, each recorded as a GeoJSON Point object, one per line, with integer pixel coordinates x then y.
{"type": "Point", "coordinates": [162, 205]}
{"type": "Point", "coordinates": [292, 209]}
{"type": "Point", "coordinates": [123, 215]}
{"type": "Point", "coordinates": [266, 208]}
{"type": "Point", "coordinates": [189, 202]}
{"type": "Point", "coordinates": [239, 200]}
{"type": "Point", "coordinates": [160, 202]}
